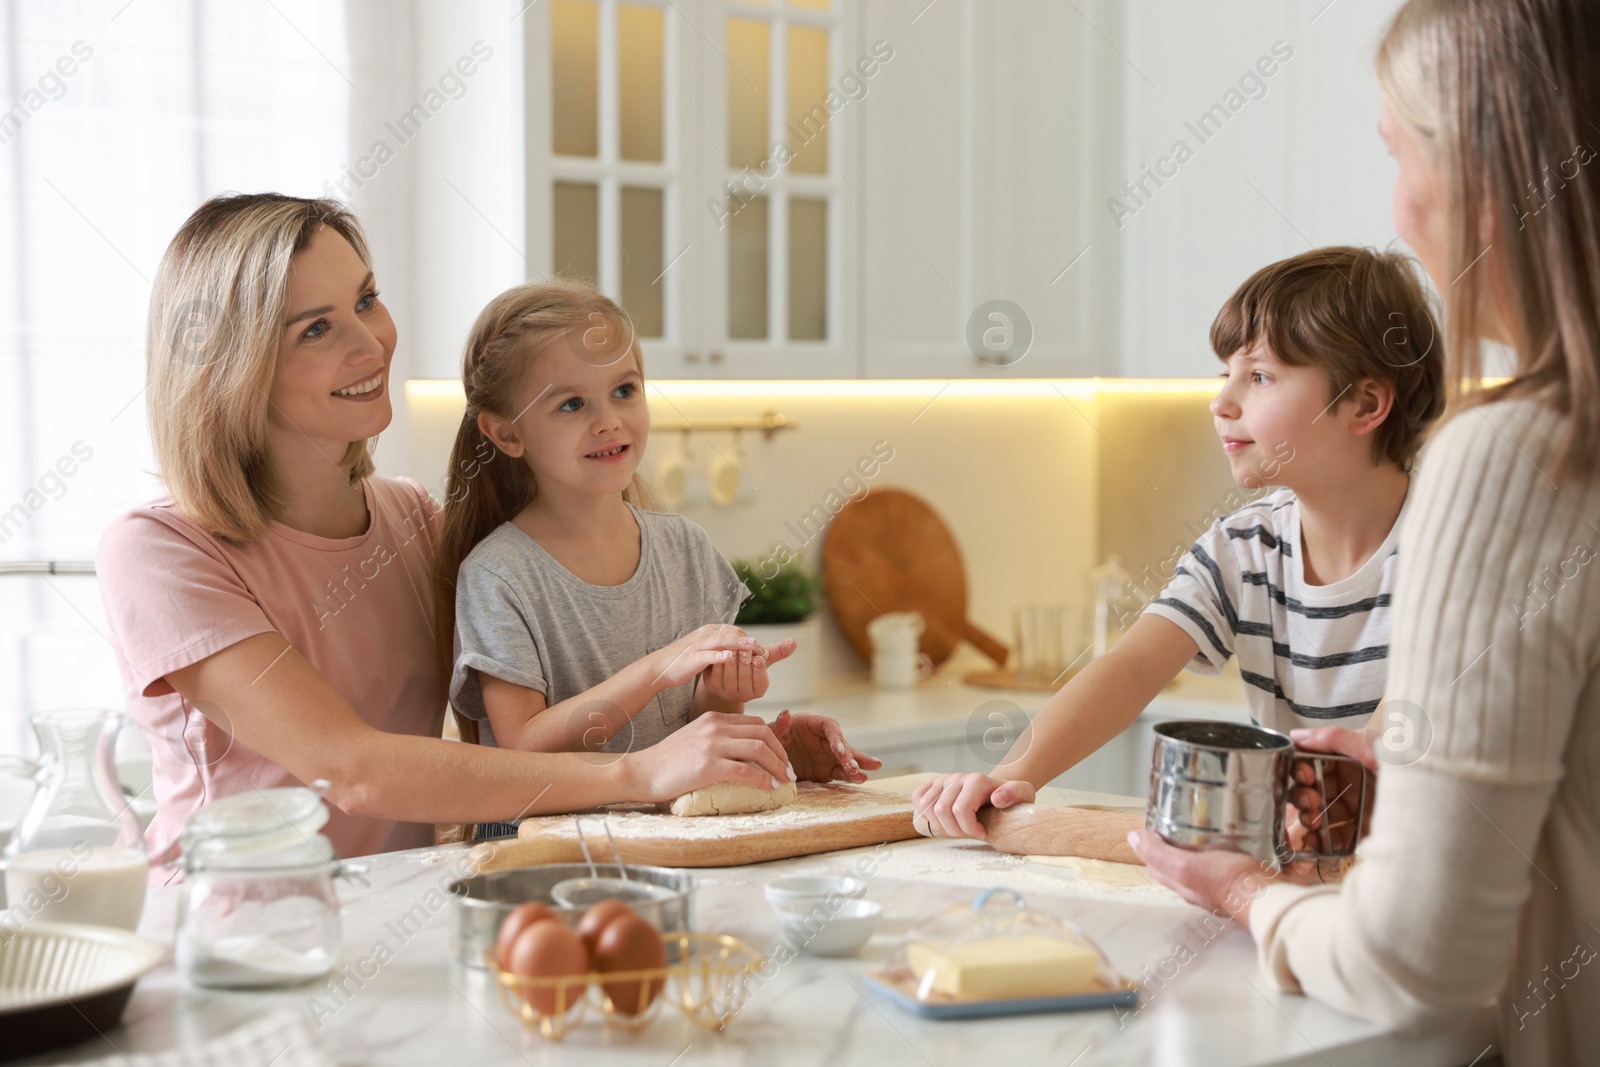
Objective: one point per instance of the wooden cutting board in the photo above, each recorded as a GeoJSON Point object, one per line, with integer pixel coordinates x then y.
{"type": "Point", "coordinates": [890, 551]}
{"type": "Point", "coordinates": [824, 818]}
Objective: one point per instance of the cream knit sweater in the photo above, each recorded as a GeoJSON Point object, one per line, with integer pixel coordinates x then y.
{"type": "Point", "coordinates": [1480, 881]}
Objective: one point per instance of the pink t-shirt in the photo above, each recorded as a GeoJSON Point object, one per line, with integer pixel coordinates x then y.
{"type": "Point", "coordinates": [359, 609]}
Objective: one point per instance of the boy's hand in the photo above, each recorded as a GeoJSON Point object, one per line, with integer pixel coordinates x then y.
{"type": "Point", "coordinates": [947, 806]}
{"type": "Point", "coordinates": [709, 646]}
{"type": "Point", "coordinates": [712, 748]}
{"type": "Point", "coordinates": [743, 677]}
{"type": "Point", "coordinates": [818, 750]}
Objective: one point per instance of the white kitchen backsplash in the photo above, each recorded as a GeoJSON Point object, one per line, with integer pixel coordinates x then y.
{"type": "Point", "coordinates": [1018, 477]}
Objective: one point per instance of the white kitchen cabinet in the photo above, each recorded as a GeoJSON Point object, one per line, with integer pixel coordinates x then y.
{"type": "Point", "coordinates": [694, 160]}
{"type": "Point", "coordinates": [1249, 135]}
{"type": "Point", "coordinates": [814, 189]}
{"type": "Point", "coordinates": [1027, 151]}
{"type": "Point", "coordinates": [987, 139]}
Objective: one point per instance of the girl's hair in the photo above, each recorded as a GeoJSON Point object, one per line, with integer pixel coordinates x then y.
{"type": "Point", "coordinates": [216, 322]}
{"type": "Point", "coordinates": [1499, 92]}
{"type": "Point", "coordinates": [484, 487]}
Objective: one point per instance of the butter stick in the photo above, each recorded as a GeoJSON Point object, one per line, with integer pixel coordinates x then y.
{"type": "Point", "coordinates": [1031, 965]}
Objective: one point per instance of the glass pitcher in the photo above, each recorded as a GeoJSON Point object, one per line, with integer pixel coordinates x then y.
{"type": "Point", "coordinates": [78, 855]}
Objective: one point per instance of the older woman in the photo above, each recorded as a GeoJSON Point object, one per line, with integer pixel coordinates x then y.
{"type": "Point", "coordinates": [1480, 882]}
{"type": "Point", "coordinates": [273, 614]}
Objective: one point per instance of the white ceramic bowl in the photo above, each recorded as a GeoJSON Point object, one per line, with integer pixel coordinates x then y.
{"type": "Point", "coordinates": [794, 889]}
{"type": "Point", "coordinates": [823, 931]}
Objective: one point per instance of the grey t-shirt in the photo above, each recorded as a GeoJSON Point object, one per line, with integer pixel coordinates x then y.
{"type": "Point", "coordinates": [525, 618]}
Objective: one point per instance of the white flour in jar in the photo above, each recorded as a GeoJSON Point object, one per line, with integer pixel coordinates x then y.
{"type": "Point", "coordinates": [248, 961]}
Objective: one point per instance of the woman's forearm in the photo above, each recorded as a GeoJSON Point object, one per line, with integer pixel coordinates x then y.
{"type": "Point", "coordinates": [422, 779]}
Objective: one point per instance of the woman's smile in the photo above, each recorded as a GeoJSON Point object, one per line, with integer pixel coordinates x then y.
{"type": "Point", "coordinates": [367, 389]}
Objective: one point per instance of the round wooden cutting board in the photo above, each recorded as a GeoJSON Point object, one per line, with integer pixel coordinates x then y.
{"type": "Point", "coordinates": [890, 551]}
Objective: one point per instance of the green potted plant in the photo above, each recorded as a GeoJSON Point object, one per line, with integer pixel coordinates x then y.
{"type": "Point", "coordinates": [783, 603]}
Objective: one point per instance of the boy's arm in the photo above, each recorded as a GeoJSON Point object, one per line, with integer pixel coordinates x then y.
{"type": "Point", "coordinates": [1100, 702]}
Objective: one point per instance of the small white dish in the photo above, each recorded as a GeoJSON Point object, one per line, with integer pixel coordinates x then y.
{"type": "Point", "coordinates": [793, 889]}
{"type": "Point", "coordinates": [823, 930]}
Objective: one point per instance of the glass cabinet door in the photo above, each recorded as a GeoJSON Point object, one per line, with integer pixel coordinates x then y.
{"type": "Point", "coordinates": [614, 164]}
{"type": "Point", "coordinates": [692, 159]}
{"type": "Point", "coordinates": [777, 196]}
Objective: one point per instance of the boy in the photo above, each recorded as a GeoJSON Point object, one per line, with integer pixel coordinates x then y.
{"type": "Point", "coordinates": [1331, 381]}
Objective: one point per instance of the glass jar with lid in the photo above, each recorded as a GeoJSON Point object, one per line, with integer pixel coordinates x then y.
{"type": "Point", "coordinates": [259, 907]}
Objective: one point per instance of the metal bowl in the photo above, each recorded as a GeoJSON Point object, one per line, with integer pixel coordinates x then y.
{"type": "Point", "coordinates": [480, 904]}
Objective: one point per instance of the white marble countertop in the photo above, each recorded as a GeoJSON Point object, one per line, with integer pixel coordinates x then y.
{"type": "Point", "coordinates": [420, 1008]}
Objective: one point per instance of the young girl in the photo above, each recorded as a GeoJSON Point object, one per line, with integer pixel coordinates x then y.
{"type": "Point", "coordinates": [583, 621]}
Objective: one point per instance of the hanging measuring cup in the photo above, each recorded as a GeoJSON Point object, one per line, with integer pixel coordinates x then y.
{"type": "Point", "coordinates": [78, 855]}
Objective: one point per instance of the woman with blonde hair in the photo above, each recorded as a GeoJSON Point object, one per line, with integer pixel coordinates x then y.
{"type": "Point", "coordinates": [273, 613]}
{"type": "Point", "coordinates": [1480, 881]}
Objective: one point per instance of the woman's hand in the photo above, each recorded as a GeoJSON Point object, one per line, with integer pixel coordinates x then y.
{"type": "Point", "coordinates": [743, 678]}
{"type": "Point", "coordinates": [1310, 809]}
{"type": "Point", "coordinates": [818, 750]}
{"type": "Point", "coordinates": [947, 806]}
{"type": "Point", "coordinates": [1222, 882]}
{"type": "Point", "coordinates": [712, 748]}
{"type": "Point", "coordinates": [715, 644]}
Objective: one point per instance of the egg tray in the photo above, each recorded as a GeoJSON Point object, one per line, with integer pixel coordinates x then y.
{"type": "Point", "coordinates": [709, 984]}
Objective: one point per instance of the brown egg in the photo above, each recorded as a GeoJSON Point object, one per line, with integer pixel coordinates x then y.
{"type": "Point", "coordinates": [519, 920]}
{"type": "Point", "coordinates": [600, 915]}
{"type": "Point", "coordinates": [547, 949]}
{"type": "Point", "coordinates": [629, 943]}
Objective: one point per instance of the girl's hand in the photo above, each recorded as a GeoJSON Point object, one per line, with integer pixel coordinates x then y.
{"type": "Point", "coordinates": [743, 678]}
{"type": "Point", "coordinates": [686, 657]}
{"type": "Point", "coordinates": [818, 750]}
{"type": "Point", "coordinates": [1342, 782]}
{"type": "Point", "coordinates": [713, 748]}
{"type": "Point", "coordinates": [947, 805]}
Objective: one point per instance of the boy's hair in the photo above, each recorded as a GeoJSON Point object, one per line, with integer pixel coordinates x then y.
{"type": "Point", "coordinates": [1356, 313]}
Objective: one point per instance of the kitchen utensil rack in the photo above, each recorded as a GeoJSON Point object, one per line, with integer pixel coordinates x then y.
{"type": "Point", "coordinates": [768, 424]}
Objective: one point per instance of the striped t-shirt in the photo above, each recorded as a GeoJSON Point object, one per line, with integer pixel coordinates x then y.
{"type": "Point", "coordinates": [1310, 655]}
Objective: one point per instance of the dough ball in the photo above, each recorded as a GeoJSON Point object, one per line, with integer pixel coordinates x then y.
{"type": "Point", "coordinates": [734, 798]}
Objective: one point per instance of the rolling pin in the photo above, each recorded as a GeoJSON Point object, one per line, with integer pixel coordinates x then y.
{"type": "Point", "coordinates": [534, 851]}
{"type": "Point", "coordinates": [1037, 830]}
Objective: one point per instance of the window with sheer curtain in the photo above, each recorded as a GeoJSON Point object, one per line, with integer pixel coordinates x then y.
{"type": "Point", "coordinates": [116, 120]}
